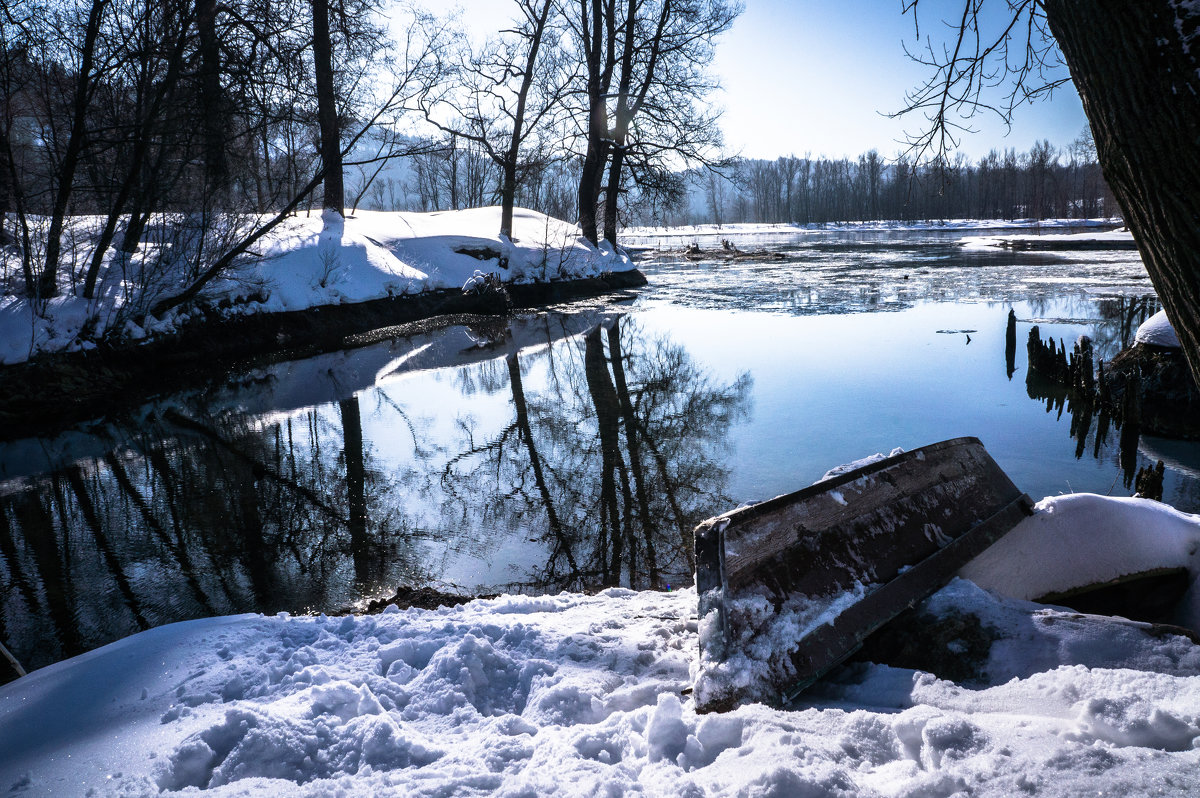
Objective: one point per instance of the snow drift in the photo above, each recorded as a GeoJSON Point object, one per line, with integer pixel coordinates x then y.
{"type": "Point", "coordinates": [589, 695]}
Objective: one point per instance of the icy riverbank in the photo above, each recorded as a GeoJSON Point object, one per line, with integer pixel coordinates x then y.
{"type": "Point", "coordinates": [589, 695]}
{"type": "Point", "coordinates": [308, 261]}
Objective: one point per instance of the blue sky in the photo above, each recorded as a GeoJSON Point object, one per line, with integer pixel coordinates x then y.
{"type": "Point", "coordinates": [819, 76]}
{"type": "Point", "coordinates": [816, 76]}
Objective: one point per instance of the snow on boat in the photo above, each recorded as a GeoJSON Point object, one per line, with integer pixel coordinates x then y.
{"type": "Point", "coordinates": [790, 587]}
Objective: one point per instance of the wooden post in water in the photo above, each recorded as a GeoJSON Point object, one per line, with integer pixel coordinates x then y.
{"type": "Point", "coordinates": [1010, 343]}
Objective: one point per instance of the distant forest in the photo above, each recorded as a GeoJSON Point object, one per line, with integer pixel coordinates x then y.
{"type": "Point", "coordinates": [1044, 183]}
{"type": "Point", "coordinates": [1047, 182]}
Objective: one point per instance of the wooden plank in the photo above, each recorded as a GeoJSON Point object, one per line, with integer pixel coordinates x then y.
{"type": "Point", "coordinates": [899, 525]}
{"type": "Point", "coordinates": [830, 645]}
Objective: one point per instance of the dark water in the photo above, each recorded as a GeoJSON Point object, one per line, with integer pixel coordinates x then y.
{"type": "Point", "coordinates": [568, 449]}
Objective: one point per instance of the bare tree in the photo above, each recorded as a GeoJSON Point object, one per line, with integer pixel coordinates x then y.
{"type": "Point", "coordinates": [85, 86]}
{"type": "Point", "coordinates": [499, 97]}
{"type": "Point", "coordinates": [657, 116]}
{"type": "Point", "coordinates": [645, 83]}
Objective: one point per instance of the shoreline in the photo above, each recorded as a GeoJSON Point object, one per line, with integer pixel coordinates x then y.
{"type": "Point", "coordinates": [54, 391]}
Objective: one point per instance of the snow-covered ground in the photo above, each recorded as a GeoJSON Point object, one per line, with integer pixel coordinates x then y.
{"type": "Point", "coordinates": [311, 261]}
{"type": "Point", "coordinates": [707, 230]}
{"type": "Point", "coordinates": [589, 695]}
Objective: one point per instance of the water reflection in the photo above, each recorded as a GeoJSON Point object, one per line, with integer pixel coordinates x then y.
{"type": "Point", "coordinates": [592, 475]}
{"type": "Point", "coordinates": [1113, 331]}
{"type": "Point", "coordinates": [616, 459]}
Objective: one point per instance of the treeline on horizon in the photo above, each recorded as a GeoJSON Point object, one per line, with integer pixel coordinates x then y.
{"type": "Point", "coordinates": [1044, 183]}
{"type": "Point", "coordinates": [1047, 182]}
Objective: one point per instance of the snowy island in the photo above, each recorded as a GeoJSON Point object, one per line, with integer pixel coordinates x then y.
{"type": "Point", "coordinates": [313, 261]}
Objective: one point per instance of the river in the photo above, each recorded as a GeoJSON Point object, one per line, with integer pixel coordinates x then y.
{"type": "Point", "coordinates": [567, 449]}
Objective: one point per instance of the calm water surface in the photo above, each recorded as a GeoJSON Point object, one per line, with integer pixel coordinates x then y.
{"type": "Point", "coordinates": [568, 449]}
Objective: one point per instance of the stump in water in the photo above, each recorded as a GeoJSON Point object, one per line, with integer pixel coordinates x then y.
{"type": "Point", "coordinates": [1149, 482]}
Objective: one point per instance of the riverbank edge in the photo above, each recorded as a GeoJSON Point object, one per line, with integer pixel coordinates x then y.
{"type": "Point", "coordinates": [52, 392]}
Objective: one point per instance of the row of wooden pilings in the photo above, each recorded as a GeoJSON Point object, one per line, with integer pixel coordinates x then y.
{"type": "Point", "coordinates": [1077, 371]}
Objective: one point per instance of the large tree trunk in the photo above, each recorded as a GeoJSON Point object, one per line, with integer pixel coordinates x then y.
{"type": "Point", "coordinates": [327, 119]}
{"type": "Point", "coordinates": [598, 30]}
{"type": "Point", "coordinates": [589, 186]}
{"type": "Point", "coordinates": [1140, 90]}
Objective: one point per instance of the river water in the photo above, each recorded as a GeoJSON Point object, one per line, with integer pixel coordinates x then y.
{"type": "Point", "coordinates": [566, 449]}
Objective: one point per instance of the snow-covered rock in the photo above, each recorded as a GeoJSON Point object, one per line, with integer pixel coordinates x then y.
{"type": "Point", "coordinates": [1157, 331]}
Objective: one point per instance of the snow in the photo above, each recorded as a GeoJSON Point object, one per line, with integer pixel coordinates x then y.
{"type": "Point", "coordinates": [1122, 235]}
{"type": "Point", "coordinates": [589, 695]}
{"type": "Point", "coordinates": [757, 228]}
{"type": "Point", "coordinates": [316, 260]}
{"type": "Point", "coordinates": [758, 656]}
{"type": "Point", "coordinates": [854, 465]}
{"type": "Point", "coordinates": [1157, 331]}
{"type": "Point", "coordinates": [1083, 539]}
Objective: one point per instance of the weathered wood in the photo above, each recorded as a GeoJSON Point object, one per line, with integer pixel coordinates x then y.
{"type": "Point", "coordinates": [901, 527]}
{"type": "Point", "coordinates": [832, 643]}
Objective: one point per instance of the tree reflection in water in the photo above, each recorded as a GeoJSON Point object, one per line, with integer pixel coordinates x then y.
{"type": "Point", "coordinates": [611, 465]}
{"type": "Point", "coordinates": [608, 461]}
{"type": "Point", "coordinates": [1119, 318]}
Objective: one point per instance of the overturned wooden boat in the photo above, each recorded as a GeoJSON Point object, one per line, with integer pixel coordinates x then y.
{"type": "Point", "coordinates": [790, 587]}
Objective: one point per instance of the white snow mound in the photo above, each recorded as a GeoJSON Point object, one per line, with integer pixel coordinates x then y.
{"type": "Point", "coordinates": [1157, 331]}
{"type": "Point", "coordinates": [1083, 539]}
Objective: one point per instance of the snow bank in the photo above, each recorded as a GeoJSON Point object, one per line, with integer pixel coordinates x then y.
{"type": "Point", "coordinates": [321, 259]}
{"type": "Point", "coordinates": [1157, 331]}
{"type": "Point", "coordinates": [588, 695]}
{"type": "Point", "coordinates": [1082, 539]}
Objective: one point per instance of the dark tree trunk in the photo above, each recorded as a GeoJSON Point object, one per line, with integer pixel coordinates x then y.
{"type": "Point", "coordinates": [615, 164]}
{"type": "Point", "coordinates": [598, 31]}
{"type": "Point", "coordinates": [508, 196]}
{"type": "Point", "coordinates": [508, 189]}
{"type": "Point", "coordinates": [48, 281]}
{"type": "Point", "coordinates": [331, 140]}
{"type": "Point", "coordinates": [1140, 91]}
{"type": "Point", "coordinates": [211, 106]}
{"type": "Point", "coordinates": [589, 186]}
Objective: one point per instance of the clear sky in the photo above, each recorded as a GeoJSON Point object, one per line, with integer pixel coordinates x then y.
{"type": "Point", "coordinates": [819, 76]}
